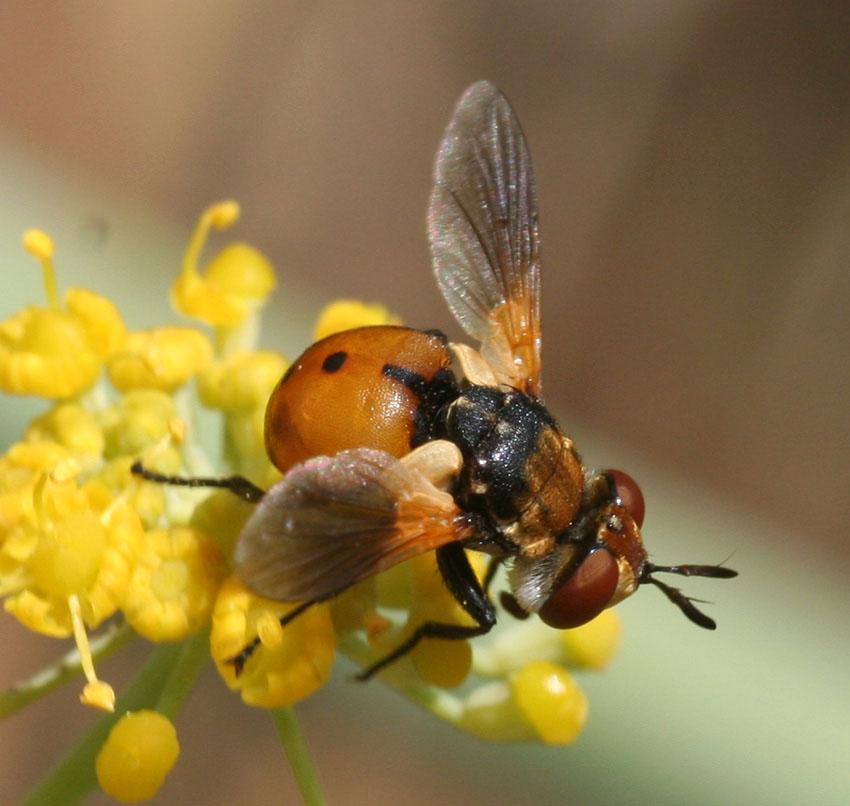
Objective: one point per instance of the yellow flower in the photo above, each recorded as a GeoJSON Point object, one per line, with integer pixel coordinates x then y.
{"type": "Point", "coordinates": [238, 279]}
{"type": "Point", "coordinates": [35, 455]}
{"type": "Point", "coordinates": [72, 427]}
{"type": "Point", "coordinates": [57, 352]}
{"type": "Point", "coordinates": [491, 712]}
{"type": "Point", "coordinates": [20, 469]}
{"type": "Point", "coordinates": [442, 662]}
{"type": "Point", "coordinates": [239, 385]}
{"type": "Point", "coordinates": [590, 646]}
{"type": "Point", "coordinates": [593, 645]}
{"type": "Point", "coordinates": [149, 500]}
{"type": "Point", "coordinates": [84, 546]}
{"type": "Point", "coordinates": [140, 751]}
{"type": "Point", "coordinates": [163, 358]}
{"type": "Point", "coordinates": [221, 516]}
{"type": "Point", "coordinates": [241, 381]}
{"type": "Point", "coordinates": [174, 583]}
{"type": "Point", "coordinates": [540, 701]}
{"type": "Point", "coordinates": [137, 421]}
{"type": "Point", "coordinates": [391, 606]}
{"type": "Point", "coordinates": [550, 699]}
{"type": "Point", "coordinates": [416, 589]}
{"type": "Point", "coordinates": [103, 323]}
{"type": "Point", "coordinates": [66, 560]}
{"type": "Point", "coordinates": [346, 314]}
{"type": "Point", "coordinates": [289, 663]}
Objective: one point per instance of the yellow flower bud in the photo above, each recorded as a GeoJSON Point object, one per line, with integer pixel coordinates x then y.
{"type": "Point", "coordinates": [443, 663]}
{"type": "Point", "coordinates": [346, 314]}
{"type": "Point", "coordinates": [140, 751]}
{"type": "Point", "coordinates": [70, 425]}
{"type": "Point", "coordinates": [238, 280]}
{"type": "Point", "coordinates": [242, 272]}
{"type": "Point", "coordinates": [439, 661]}
{"type": "Point", "coordinates": [418, 586]}
{"type": "Point", "coordinates": [38, 243]}
{"type": "Point", "coordinates": [490, 712]}
{"type": "Point", "coordinates": [136, 422]}
{"type": "Point", "coordinates": [242, 381]}
{"type": "Point", "coordinates": [551, 701]}
{"type": "Point", "coordinates": [593, 645]}
{"type": "Point", "coordinates": [37, 455]}
{"type": "Point", "coordinates": [163, 358]}
{"type": "Point", "coordinates": [221, 516]}
{"type": "Point", "coordinates": [104, 326]}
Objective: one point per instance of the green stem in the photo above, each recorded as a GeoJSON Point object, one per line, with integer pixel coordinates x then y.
{"type": "Point", "coordinates": [296, 751]}
{"type": "Point", "coordinates": [194, 652]}
{"type": "Point", "coordinates": [66, 668]}
{"type": "Point", "coordinates": [73, 777]}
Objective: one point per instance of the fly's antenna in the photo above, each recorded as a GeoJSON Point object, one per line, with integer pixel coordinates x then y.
{"type": "Point", "coordinates": [685, 603]}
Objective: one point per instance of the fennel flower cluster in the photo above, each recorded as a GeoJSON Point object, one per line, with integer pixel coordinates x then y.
{"type": "Point", "coordinates": [90, 551]}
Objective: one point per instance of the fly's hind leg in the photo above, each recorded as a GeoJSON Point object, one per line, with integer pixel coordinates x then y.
{"type": "Point", "coordinates": [241, 658]}
{"type": "Point", "coordinates": [461, 581]}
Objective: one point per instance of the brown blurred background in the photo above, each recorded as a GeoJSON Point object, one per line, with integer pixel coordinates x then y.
{"type": "Point", "coordinates": [693, 162]}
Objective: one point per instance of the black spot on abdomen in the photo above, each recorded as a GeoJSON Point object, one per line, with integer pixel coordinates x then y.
{"type": "Point", "coordinates": [334, 361]}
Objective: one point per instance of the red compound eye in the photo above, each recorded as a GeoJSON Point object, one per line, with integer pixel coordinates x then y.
{"type": "Point", "coordinates": [585, 594]}
{"type": "Point", "coordinates": [629, 494]}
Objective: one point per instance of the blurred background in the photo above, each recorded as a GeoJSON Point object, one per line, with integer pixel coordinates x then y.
{"type": "Point", "coordinates": [693, 163]}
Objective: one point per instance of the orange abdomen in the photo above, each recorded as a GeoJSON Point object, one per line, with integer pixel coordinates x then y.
{"type": "Point", "coordinates": [374, 387]}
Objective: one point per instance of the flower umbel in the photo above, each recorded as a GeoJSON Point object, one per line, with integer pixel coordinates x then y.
{"type": "Point", "coordinates": [89, 550]}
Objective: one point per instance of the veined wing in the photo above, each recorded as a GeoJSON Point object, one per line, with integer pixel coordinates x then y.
{"type": "Point", "coordinates": [483, 230]}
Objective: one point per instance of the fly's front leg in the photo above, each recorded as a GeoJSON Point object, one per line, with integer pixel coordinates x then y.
{"type": "Point", "coordinates": [238, 485]}
{"type": "Point", "coordinates": [461, 581]}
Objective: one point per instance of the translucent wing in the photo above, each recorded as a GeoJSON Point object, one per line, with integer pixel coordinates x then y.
{"type": "Point", "coordinates": [333, 521]}
{"type": "Point", "coordinates": [482, 225]}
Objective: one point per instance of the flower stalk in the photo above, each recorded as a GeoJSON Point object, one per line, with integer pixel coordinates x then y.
{"type": "Point", "coordinates": [289, 732]}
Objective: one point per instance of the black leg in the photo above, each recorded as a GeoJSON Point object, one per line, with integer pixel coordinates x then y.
{"type": "Point", "coordinates": [239, 660]}
{"type": "Point", "coordinates": [492, 567]}
{"type": "Point", "coordinates": [461, 581]}
{"type": "Point", "coordinates": [238, 485]}
{"type": "Point", "coordinates": [506, 600]}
